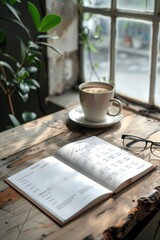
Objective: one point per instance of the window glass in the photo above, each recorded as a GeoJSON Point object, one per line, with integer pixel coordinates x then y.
{"type": "Point", "coordinates": [132, 64]}
{"type": "Point", "coordinates": [140, 5]}
{"type": "Point", "coordinates": [96, 3]}
{"type": "Point", "coordinates": [95, 38]}
{"type": "Point", "coordinates": [157, 87]}
{"type": "Point", "coordinates": [133, 59]}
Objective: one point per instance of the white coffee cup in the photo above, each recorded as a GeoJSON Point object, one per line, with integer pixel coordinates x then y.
{"type": "Point", "coordinates": [96, 99]}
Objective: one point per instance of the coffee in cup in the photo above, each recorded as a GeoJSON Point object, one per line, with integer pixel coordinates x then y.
{"type": "Point", "coordinates": [96, 99]}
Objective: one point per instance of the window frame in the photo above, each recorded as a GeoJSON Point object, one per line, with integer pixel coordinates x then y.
{"type": "Point", "coordinates": [114, 13]}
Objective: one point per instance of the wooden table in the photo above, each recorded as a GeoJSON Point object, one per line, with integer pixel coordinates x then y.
{"type": "Point", "coordinates": [112, 219]}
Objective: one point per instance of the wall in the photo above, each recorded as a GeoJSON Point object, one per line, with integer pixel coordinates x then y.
{"type": "Point", "coordinates": [66, 67]}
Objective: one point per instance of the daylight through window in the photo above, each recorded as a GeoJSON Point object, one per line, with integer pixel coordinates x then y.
{"type": "Point", "coordinates": [120, 42]}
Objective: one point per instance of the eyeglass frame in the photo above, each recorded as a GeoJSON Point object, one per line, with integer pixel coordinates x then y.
{"type": "Point", "coordinates": [141, 139]}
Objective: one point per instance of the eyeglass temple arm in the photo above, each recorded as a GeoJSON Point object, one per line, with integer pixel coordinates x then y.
{"type": "Point", "coordinates": [132, 143]}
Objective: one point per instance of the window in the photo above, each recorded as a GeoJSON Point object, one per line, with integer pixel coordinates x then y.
{"type": "Point", "coordinates": [121, 40]}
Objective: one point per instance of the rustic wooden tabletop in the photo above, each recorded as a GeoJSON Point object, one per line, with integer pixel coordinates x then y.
{"type": "Point", "coordinates": [112, 219]}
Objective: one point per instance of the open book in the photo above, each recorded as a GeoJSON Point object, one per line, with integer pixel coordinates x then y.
{"type": "Point", "coordinates": [80, 175]}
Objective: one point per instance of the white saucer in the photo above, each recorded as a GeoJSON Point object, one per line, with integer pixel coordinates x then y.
{"type": "Point", "coordinates": [77, 116]}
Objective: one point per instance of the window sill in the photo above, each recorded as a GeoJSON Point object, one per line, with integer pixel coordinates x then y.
{"type": "Point", "coordinates": [67, 99]}
{"type": "Point", "coordinates": [71, 98]}
{"type": "Point", "coordinates": [140, 108]}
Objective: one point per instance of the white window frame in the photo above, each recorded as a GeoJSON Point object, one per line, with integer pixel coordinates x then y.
{"type": "Point", "coordinates": [114, 13]}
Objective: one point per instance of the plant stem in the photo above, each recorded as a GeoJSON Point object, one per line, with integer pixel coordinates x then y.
{"type": "Point", "coordinates": [1, 85]}
{"type": "Point", "coordinates": [7, 92]}
{"type": "Point", "coordinates": [92, 65]}
{"type": "Point", "coordinates": [3, 88]}
{"type": "Point", "coordinates": [10, 104]}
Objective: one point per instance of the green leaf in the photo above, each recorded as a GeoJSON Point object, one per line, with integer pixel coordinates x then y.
{"type": "Point", "coordinates": [96, 65]}
{"type": "Point", "coordinates": [13, 1]}
{"type": "Point", "coordinates": [29, 60]}
{"type": "Point", "coordinates": [32, 69]}
{"type": "Point", "coordinates": [10, 1]}
{"type": "Point", "coordinates": [32, 60]}
{"type": "Point", "coordinates": [32, 83]}
{"type": "Point", "coordinates": [92, 47]}
{"type": "Point", "coordinates": [13, 10]}
{"type": "Point", "coordinates": [10, 57]}
{"type": "Point", "coordinates": [49, 22]}
{"type": "Point", "coordinates": [33, 45]}
{"type": "Point", "coordinates": [35, 83]}
{"type": "Point", "coordinates": [5, 64]}
{"type": "Point", "coordinates": [35, 15]}
{"type": "Point", "coordinates": [84, 38]}
{"type": "Point", "coordinates": [47, 36]}
{"type": "Point", "coordinates": [23, 49]}
{"type": "Point", "coordinates": [97, 33]}
{"type": "Point", "coordinates": [22, 74]}
{"type": "Point", "coordinates": [48, 45]}
{"type": "Point", "coordinates": [28, 116]}
{"type": "Point", "coordinates": [24, 97]}
{"type": "Point", "coordinates": [37, 62]}
{"type": "Point", "coordinates": [24, 89]}
{"type": "Point", "coordinates": [14, 120]}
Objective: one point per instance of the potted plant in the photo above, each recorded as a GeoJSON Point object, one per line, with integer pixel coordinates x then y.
{"type": "Point", "coordinates": [17, 76]}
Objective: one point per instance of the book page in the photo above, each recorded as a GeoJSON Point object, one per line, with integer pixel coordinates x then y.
{"type": "Point", "coordinates": [56, 188]}
{"type": "Point", "coordinates": [103, 162]}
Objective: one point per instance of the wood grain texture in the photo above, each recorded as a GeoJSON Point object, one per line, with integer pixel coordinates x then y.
{"type": "Point", "coordinates": [34, 132]}
{"type": "Point", "coordinates": [24, 145]}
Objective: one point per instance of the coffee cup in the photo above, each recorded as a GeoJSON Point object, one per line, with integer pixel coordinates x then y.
{"type": "Point", "coordinates": [96, 100]}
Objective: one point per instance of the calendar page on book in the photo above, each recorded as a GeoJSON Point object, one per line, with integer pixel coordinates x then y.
{"type": "Point", "coordinates": [103, 162]}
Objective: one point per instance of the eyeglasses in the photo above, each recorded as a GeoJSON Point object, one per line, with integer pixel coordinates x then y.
{"type": "Point", "coordinates": [138, 144]}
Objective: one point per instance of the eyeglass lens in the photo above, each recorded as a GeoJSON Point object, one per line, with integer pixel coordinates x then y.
{"type": "Point", "coordinates": [134, 143]}
{"type": "Point", "coordinates": [155, 149]}
{"type": "Point", "coordinates": [137, 144]}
